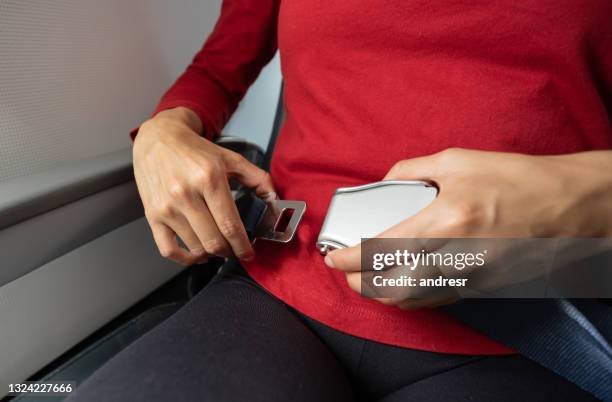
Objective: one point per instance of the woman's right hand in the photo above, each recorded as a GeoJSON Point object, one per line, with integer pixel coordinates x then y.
{"type": "Point", "coordinates": [182, 179]}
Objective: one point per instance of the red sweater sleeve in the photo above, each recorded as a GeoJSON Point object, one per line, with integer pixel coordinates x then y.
{"type": "Point", "coordinates": [241, 44]}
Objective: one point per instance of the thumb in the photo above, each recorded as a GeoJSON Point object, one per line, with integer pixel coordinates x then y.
{"type": "Point", "coordinates": [248, 174]}
{"type": "Point", "coordinates": [345, 259]}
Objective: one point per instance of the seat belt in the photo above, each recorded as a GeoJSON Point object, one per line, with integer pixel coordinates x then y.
{"type": "Point", "coordinates": [571, 338]}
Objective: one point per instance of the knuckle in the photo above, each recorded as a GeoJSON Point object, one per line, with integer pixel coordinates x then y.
{"type": "Point", "coordinates": [179, 191]}
{"type": "Point", "coordinates": [397, 168]}
{"type": "Point", "coordinates": [267, 177]}
{"type": "Point", "coordinates": [160, 212]}
{"type": "Point", "coordinates": [229, 228]}
{"type": "Point", "coordinates": [233, 159]}
{"type": "Point", "coordinates": [462, 215]}
{"type": "Point", "coordinates": [168, 252]}
{"type": "Point", "coordinates": [237, 159]}
{"type": "Point", "coordinates": [455, 162]}
{"type": "Point", "coordinates": [163, 210]}
{"type": "Point", "coordinates": [197, 252]}
{"type": "Point", "coordinates": [450, 155]}
{"type": "Point", "coordinates": [264, 179]}
{"type": "Point", "coordinates": [244, 254]}
{"type": "Point", "coordinates": [151, 215]}
{"type": "Point", "coordinates": [190, 260]}
{"type": "Point", "coordinates": [205, 177]}
{"type": "Point", "coordinates": [213, 163]}
{"type": "Point", "coordinates": [202, 178]}
{"type": "Point", "coordinates": [214, 246]}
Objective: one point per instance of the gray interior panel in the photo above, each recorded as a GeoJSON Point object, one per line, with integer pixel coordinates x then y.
{"type": "Point", "coordinates": [27, 196]}
{"type": "Point", "coordinates": [33, 242]}
{"type": "Point", "coordinates": [47, 311]}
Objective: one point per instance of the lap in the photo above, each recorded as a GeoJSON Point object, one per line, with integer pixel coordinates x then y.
{"type": "Point", "coordinates": [393, 374]}
{"type": "Point", "coordinates": [494, 378]}
{"type": "Point", "coordinates": [235, 342]}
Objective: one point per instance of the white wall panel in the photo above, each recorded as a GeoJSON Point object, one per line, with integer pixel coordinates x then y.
{"type": "Point", "coordinates": [76, 75]}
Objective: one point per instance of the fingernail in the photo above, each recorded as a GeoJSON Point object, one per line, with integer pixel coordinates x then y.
{"type": "Point", "coordinates": [329, 262]}
{"type": "Point", "coordinates": [248, 257]}
{"type": "Point", "coordinates": [198, 251]}
{"type": "Point", "coordinates": [268, 197]}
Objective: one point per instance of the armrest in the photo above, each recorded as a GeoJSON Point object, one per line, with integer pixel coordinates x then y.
{"type": "Point", "coordinates": [28, 196]}
{"type": "Point", "coordinates": [24, 197]}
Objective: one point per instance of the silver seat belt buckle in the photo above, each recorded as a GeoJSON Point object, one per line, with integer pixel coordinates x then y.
{"type": "Point", "coordinates": [273, 220]}
{"type": "Point", "coordinates": [360, 212]}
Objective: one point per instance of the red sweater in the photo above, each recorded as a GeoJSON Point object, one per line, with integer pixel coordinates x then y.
{"type": "Point", "coordinates": [369, 83]}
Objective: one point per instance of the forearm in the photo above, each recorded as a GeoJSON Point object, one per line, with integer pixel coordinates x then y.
{"type": "Point", "coordinates": [242, 43]}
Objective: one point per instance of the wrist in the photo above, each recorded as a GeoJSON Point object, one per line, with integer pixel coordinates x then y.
{"type": "Point", "coordinates": [589, 187]}
{"type": "Point", "coordinates": [181, 115]}
{"type": "Point", "coordinates": [167, 126]}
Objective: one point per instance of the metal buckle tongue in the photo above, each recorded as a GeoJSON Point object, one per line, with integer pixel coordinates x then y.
{"type": "Point", "coordinates": [275, 220]}
{"type": "Point", "coordinates": [360, 212]}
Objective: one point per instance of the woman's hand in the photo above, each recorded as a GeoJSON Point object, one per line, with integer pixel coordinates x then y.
{"type": "Point", "coordinates": [182, 179]}
{"type": "Point", "coordinates": [490, 195]}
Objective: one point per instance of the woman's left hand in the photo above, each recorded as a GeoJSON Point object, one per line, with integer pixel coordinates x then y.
{"type": "Point", "coordinates": [490, 195]}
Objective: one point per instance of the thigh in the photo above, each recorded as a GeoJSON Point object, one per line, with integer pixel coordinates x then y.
{"type": "Point", "coordinates": [376, 369]}
{"type": "Point", "coordinates": [232, 342]}
{"type": "Point", "coordinates": [392, 374]}
{"type": "Point", "coordinates": [507, 378]}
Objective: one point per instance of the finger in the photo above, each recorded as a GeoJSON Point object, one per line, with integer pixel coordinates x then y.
{"type": "Point", "coordinates": [248, 174]}
{"type": "Point", "coordinates": [353, 279]}
{"type": "Point", "coordinates": [168, 245]}
{"type": "Point", "coordinates": [184, 231]}
{"type": "Point", "coordinates": [346, 259]}
{"type": "Point", "coordinates": [206, 230]}
{"type": "Point", "coordinates": [222, 207]}
{"type": "Point", "coordinates": [355, 282]}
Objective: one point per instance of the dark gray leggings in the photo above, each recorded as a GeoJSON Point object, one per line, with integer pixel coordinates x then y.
{"type": "Point", "coordinates": [235, 342]}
